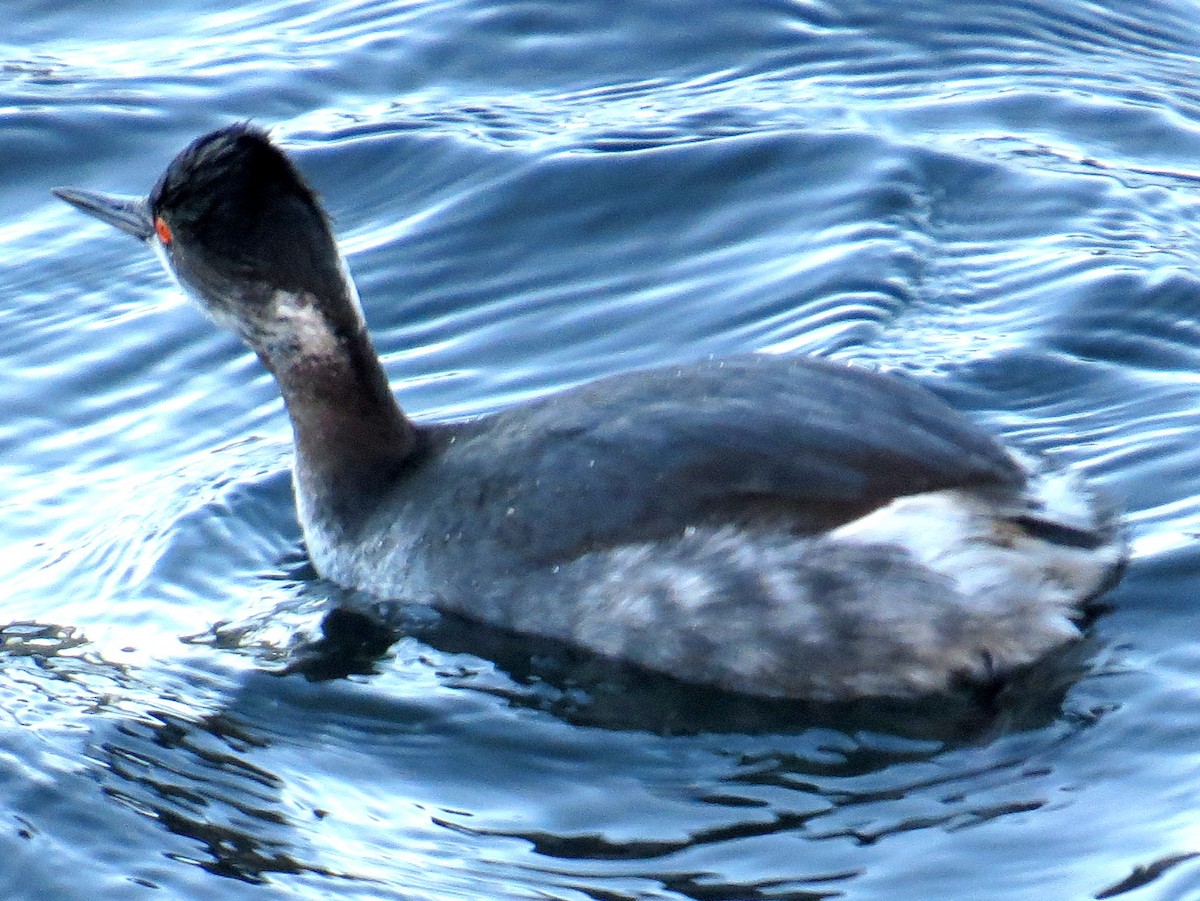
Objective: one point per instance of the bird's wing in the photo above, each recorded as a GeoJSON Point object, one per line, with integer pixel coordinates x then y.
{"type": "Point", "coordinates": [802, 443]}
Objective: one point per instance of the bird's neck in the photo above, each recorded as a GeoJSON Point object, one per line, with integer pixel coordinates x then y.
{"type": "Point", "coordinates": [352, 439]}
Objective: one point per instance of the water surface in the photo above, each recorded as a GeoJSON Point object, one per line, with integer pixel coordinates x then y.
{"type": "Point", "coordinates": [999, 199]}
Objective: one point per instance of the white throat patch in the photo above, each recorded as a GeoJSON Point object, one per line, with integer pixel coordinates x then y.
{"type": "Point", "coordinates": [295, 318]}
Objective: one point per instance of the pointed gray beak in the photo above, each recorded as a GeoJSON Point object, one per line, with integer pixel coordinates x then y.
{"type": "Point", "coordinates": [130, 214]}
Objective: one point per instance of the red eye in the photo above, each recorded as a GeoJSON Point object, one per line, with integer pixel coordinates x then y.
{"type": "Point", "coordinates": [163, 230]}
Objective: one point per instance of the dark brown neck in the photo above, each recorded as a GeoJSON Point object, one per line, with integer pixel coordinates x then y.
{"type": "Point", "coordinates": [352, 439]}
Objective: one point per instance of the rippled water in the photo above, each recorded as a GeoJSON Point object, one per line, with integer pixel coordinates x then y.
{"type": "Point", "coordinates": [1000, 198]}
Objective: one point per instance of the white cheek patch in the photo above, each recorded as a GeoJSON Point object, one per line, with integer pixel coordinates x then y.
{"type": "Point", "coordinates": [161, 252]}
{"type": "Point", "coordinates": [291, 321]}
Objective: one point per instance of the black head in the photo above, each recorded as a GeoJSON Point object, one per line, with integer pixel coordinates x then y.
{"type": "Point", "coordinates": [237, 225]}
{"type": "Point", "coordinates": [234, 203]}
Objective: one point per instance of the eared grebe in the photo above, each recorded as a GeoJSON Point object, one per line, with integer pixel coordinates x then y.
{"type": "Point", "coordinates": [778, 527]}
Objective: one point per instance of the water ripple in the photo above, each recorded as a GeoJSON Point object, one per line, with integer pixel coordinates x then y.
{"type": "Point", "coordinates": [1000, 201]}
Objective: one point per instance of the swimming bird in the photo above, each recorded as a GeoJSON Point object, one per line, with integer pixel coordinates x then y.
{"type": "Point", "coordinates": [784, 527]}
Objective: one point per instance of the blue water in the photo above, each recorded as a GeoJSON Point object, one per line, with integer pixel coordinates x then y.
{"type": "Point", "coordinates": [1001, 198]}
